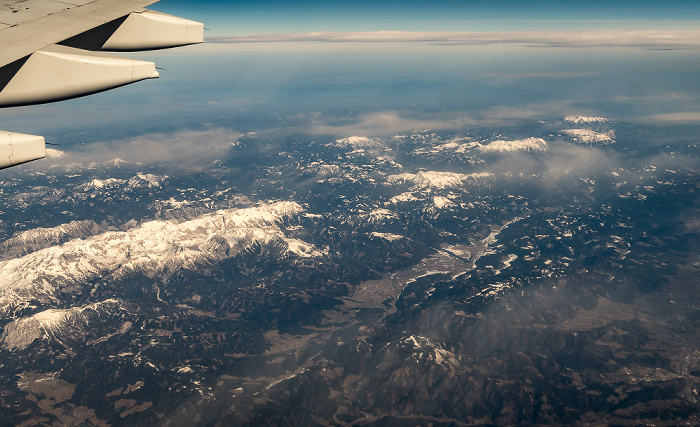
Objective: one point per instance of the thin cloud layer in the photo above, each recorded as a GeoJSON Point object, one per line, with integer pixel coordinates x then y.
{"type": "Point", "coordinates": [663, 97]}
{"type": "Point", "coordinates": [684, 117]}
{"type": "Point", "coordinates": [384, 124]}
{"type": "Point", "coordinates": [187, 149]}
{"type": "Point", "coordinates": [646, 39]}
{"type": "Point", "coordinates": [540, 75]}
{"type": "Point", "coordinates": [387, 123]}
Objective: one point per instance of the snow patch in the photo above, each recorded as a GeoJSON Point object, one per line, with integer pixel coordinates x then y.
{"type": "Point", "coordinates": [506, 263]}
{"type": "Point", "coordinates": [303, 249]}
{"type": "Point", "coordinates": [442, 202]}
{"type": "Point", "coordinates": [388, 236]}
{"type": "Point", "coordinates": [380, 215]}
{"type": "Point", "coordinates": [404, 197]}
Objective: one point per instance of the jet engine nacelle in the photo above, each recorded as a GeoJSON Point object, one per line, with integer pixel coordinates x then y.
{"type": "Point", "coordinates": [150, 30]}
{"type": "Point", "coordinates": [138, 31]}
{"type": "Point", "coordinates": [58, 72]}
{"type": "Point", "coordinates": [18, 148]}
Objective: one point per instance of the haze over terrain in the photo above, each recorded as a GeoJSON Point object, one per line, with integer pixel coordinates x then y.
{"type": "Point", "coordinates": [354, 217]}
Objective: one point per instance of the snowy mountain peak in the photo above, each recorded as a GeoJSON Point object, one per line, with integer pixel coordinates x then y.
{"type": "Point", "coordinates": [587, 136]}
{"type": "Point", "coordinates": [586, 120]}
{"type": "Point", "coordinates": [40, 238]}
{"type": "Point", "coordinates": [423, 350]}
{"type": "Point", "coordinates": [381, 215]}
{"type": "Point", "coordinates": [61, 325]}
{"type": "Point", "coordinates": [98, 184]}
{"type": "Point", "coordinates": [358, 142]}
{"type": "Point", "coordinates": [434, 179]}
{"type": "Point", "coordinates": [442, 202]}
{"type": "Point", "coordinates": [520, 145]}
{"type": "Point", "coordinates": [146, 181]}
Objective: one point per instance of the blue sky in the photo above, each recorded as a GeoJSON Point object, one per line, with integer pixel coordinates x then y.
{"type": "Point", "coordinates": [225, 17]}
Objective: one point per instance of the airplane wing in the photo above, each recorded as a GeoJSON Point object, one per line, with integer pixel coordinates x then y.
{"type": "Point", "coordinates": [51, 50]}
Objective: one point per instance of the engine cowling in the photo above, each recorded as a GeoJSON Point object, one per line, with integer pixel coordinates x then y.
{"type": "Point", "coordinates": [150, 30]}
{"type": "Point", "coordinates": [18, 148]}
{"type": "Point", "coordinates": [139, 31]}
{"type": "Point", "coordinates": [58, 72]}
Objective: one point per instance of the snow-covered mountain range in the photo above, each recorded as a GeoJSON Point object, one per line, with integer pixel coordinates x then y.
{"type": "Point", "coordinates": [157, 249]}
{"type": "Point", "coordinates": [67, 326]}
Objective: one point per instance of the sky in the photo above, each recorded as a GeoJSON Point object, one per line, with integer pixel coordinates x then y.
{"type": "Point", "coordinates": [224, 17]}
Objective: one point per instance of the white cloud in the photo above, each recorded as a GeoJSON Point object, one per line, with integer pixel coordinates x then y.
{"type": "Point", "coordinates": [186, 149]}
{"type": "Point", "coordinates": [563, 160]}
{"type": "Point", "coordinates": [500, 115]}
{"type": "Point", "coordinates": [646, 39]}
